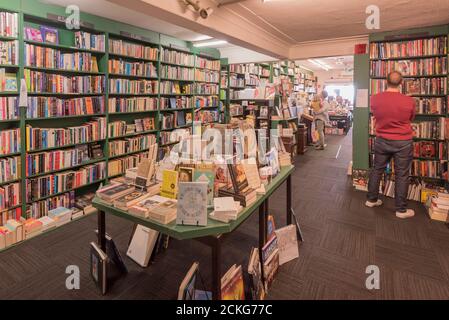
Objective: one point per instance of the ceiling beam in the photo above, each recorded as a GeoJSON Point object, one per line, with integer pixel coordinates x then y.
{"type": "Point", "coordinates": [222, 24]}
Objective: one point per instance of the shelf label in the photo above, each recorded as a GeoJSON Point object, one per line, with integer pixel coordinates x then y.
{"type": "Point", "coordinates": [134, 36]}
{"type": "Point", "coordinates": [63, 19]}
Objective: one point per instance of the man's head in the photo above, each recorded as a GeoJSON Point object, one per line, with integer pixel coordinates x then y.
{"type": "Point", "coordinates": [394, 80]}
{"type": "Point", "coordinates": [324, 94]}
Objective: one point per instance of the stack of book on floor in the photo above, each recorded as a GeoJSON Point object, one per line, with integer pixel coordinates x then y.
{"type": "Point", "coordinates": [438, 206]}
{"type": "Point", "coordinates": [232, 286]}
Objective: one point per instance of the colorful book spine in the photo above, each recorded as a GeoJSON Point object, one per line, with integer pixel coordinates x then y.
{"type": "Point", "coordinates": [126, 86]}
{"type": "Point", "coordinates": [177, 73]}
{"type": "Point", "coordinates": [171, 87]}
{"type": "Point", "coordinates": [40, 208]}
{"type": "Point", "coordinates": [9, 52]}
{"type": "Point", "coordinates": [9, 141]}
{"type": "Point", "coordinates": [9, 108]}
{"type": "Point", "coordinates": [119, 166]}
{"type": "Point", "coordinates": [66, 181]}
{"type": "Point", "coordinates": [9, 24]}
{"type": "Point", "coordinates": [9, 196]}
{"type": "Point", "coordinates": [45, 107]}
{"type": "Point", "coordinates": [177, 103]}
{"type": "Point", "coordinates": [43, 57]}
{"type": "Point", "coordinates": [204, 63]}
{"type": "Point", "coordinates": [43, 138]}
{"type": "Point", "coordinates": [140, 69]}
{"type": "Point", "coordinates": [134, 144]}
{"type": "Point", "coordinates": [177, 57]}
{"type": "Point", "coordinates": [206, 88]}
{"type": "Point", "coordinates": [207, 116]}
{"type": "Point", "coordinates": [431, 106]}
{"type": "Point", "coordinates": [207, 102]}
{"type": "Point", "coordinates": [129, 49]}
{"type": "Point", "coordinates": [89, 41]}
{"type": "Point", "coordinates": [207, 76]}
{"type": "Point", "coordinates": [42, 82]}
{"type": "Point", "coordinates": [415, 48]}
{"type": "Point", "coordinates": [9, 169]}
{"type": "Point", "coordinates": [413, 87]}
{"type": "Point", "coordinates": [423, 67]}
{"type": "Point", "coordinates": [13, 214]}
{"type": "Point", "coordinates": [118, 105]}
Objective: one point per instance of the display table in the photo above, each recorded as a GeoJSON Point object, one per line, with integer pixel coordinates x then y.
{"type": "Point", "coordinates": [341, 122]}
{"type": "Point", "coordinates": [215, 232]}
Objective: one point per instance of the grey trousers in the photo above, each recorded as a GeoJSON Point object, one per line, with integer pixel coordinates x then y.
{"type": "Point", "coordinates": [402, 153]}
{"type": "Point", "coordinates": [320, 128]}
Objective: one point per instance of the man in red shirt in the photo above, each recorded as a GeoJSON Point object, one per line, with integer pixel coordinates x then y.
{"type": "Point", "coordinates": [393, 113]}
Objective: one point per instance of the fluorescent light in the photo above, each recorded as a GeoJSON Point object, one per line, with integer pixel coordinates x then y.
{"type": "Point", "coordinates": [302, 67]}
{"type": "Point", "coordinates": [210, 43]}
{"type": "Point", "coordinates": [202, 38]}
{"type": "Point", "coordinates": [320, 64]}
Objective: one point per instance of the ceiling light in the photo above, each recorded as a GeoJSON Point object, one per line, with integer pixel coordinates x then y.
{"type": "Point", "coordinates": [302, 67]}
{"type": "Point", "coordinates": [210, 43]}
{"type": "Point", "coordinates": [318, 64]}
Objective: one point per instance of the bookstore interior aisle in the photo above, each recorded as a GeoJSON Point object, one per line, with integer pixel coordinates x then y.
{"type": "Point", "coordinates": [341, 236]}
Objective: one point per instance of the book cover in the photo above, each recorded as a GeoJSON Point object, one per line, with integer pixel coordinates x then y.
{"type": "Point", "coordinates": [206, 175]}
{"type": "Point", "coordinates": [287, 244]}
{"type": "Point", "coordinates": [169, 187]}
{"type": "Point", "coordinates": [187, 288]}
{"type": "Point", "coordinates": [238, 177]}
{"type": "Point", "coordinates": [50, 35]}
{"type": "Point", "coordinates": [98, 267]}
{"type": "Point", "coordinates": [192, 204]}
{"type": "Point", "coordinates": [233, 288]}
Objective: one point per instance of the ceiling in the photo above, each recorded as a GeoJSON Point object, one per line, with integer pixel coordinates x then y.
{"type": "Point", "coordinates": [306, 20]}
{"type": "Point", "coordinates": [112, 11]}
{"type": "Point", "coordinates": [335, 63]}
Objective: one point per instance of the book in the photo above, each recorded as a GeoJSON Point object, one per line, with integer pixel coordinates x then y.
{"type": "Point", "coordinates": [192, 204]}
{"type": "Point", "coordinates": [255, 272]}
{"type": "Point", "coordinates": [245, 198]}
{"type": "Point", "coordinates": [49, 34]}
{"type": "Point", "coordinates": [98, 267]}
{"type": "Point", "coordinates": [114, 254]}
{"type": "Point", "coordinates": [238, 177]}
{"type": "Point", "coordinates": [287, 244]}
{"type": "Point", "coordinates": [187, 289]}
{"type": "Point", "coordinates": [271, 267]}
{"type": "Point", "coordinates": [160, 209]}
{"type": "Point", "coordinates": [130, 199]}
{"type": "Point", "coordinates": [60, 215]}
{"type": "Point", "coordinates": [169, 187]}
{"type": "Point", "coordinates": [142, 244]}
{"type": "Point", "coordinates": [206, 175]}
{"type": "Point", "coordinates": [232, 287]}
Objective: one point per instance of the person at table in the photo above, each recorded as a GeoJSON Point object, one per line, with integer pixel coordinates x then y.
{"type": "Point", "coordinates": [394, 113]}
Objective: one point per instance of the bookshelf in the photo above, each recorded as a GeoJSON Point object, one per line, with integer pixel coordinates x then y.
{"type": "Point", "coordinates": [122, 86]}
{"type": "Point", "coordinates": [422, 56]}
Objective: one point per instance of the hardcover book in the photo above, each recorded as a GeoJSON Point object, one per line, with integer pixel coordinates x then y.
{"type": "Point", "coordinates": [192, 204]}
{"type": "Point", "coordinates": [187, 288]}
{"type": "Point", "coordinates": [169, 187]}
{"type": "Point", "coordinates": [114, 191]}
{"type": "Point", "coordinates": [206, 175]}
{"type": "Point", "coordinates": [232, 287]}
{"type": "Point", "coordinates": [98, 267]}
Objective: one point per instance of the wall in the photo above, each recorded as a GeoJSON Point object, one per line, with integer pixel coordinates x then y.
{"type": "Point", "coordinates": [332, 76]}
{"type": "Point", "coordinates": [241, 55]}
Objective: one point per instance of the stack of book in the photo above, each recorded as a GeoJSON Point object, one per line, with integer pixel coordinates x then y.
{"type": "Point", "coordinates": [157, 208]}
{"type": "Point", "coordinates": [239, 189]}
{"type": "Point", "coordinates": [60, 215]}
{"type": "Point", "coordinates": [438, 206]}
{"type": "Point", "coordinates": [225, 209]}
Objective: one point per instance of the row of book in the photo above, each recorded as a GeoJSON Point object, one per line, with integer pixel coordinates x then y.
{"type": "Point", "coordinates": [207, 116]}
{"type": "Point", "coordinates": [43, 82]}
{"type": "Point", "coordinates": [141, 69]}
{"type": "Point", "coordinates": [166, 137]}
{"type": "Point", "coordinates": [122, 128]}
{"type": "Point", "coordinates": [138, 104]}
{"type": "Point", "coordinates": [43, 57]}
{"type": "Point", "coordinates": [119, 166]}
{"type": "Point", "coordinates": [431, 106]}
{"type": "Point", "coordinates": [127, 86]}
{"type": "Point", "coordinates": [39, 209]}
{"type": "Point", "coordinates": [177, 73]}
{"type": "Point", "coordinates": [9, 24]}
{"type": "Point", "coordinates": [177, 57]}
{"type": "Point", "coordinates": [413, 193]}
{"type": "Point", "coordinates": [435, 129]}
{"type": "Point", "coordinates": [9, 108]}
{"type": "Point", "coordinates": [133, 50]}
{"type": "Point", "coordinates": [90, 41]}
{"type": "Point", "coordinates": [206, 88]}
{"type": "Point", "coordinates": [252, 80]}
{"type": "Point", "coordinates": [134, 144]}
{"type": "Point", "coordinates": [430, 169]}
{"type": "Point", "coordinates": [177, 103]}
{"type": "Point", "coordinates": [430, 150]}
{"type": "Point", "coordinates": [171, 87]}
{"type": "Point", "coordinates": [207, 102]}
{"type": "Point", "coordinates": [236, 82]}
{"type": "Point", "coordinates": [9, 52]}
{"type": "Point", "coordinates": [424, 67]}
{"type": "Point", "coordinates": [46, 107]}
{"type": "Point", "coordinates": [9, 196]}
{"type": "Point", "coordinates": [9, 141]}
{"type": "Point", "coordinates": [56, 160]}
{"type": "Point", "coordinates": [41, 138]}
{"type": "Point", "coordinates": [250, 68]}
{"type": "Point", "coordinates": [66, 181]}
{"type": "Point", "coordinates": [10, 214]}
{"type": "Point", "coordinates": [414, 48]}
{"type": "Point", "coordinates": [207, 76]}
{"type": "Point", "coordinates": [9, 169]}
{"type": "Point", "coordinates": [423, 86]}
{"type": "Point", "coordinates": [176, 119]}
{"type": "Point", "coordinates": [207, 63]}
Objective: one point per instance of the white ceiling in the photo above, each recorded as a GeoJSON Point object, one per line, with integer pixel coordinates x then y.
{"type": "Point", "coordinates": [112, 11]}
{"type": "Point", "coordinates": [306, 20]}
{"type": "Point", "coordinates": [335, 63]}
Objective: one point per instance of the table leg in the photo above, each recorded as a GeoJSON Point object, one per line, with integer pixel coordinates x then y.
{"type": "Point", "coordinates": [262, 235]}
{"type": "Point", "coordinates": [216, 268]}
{"type": "Point", "coordinates": [102, 230]}
{"type": "Point", "coordinates": [290, 212]}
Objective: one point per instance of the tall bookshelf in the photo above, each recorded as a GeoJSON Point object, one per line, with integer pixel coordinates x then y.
{"type": "Point", "coordinates": [132, 71]}
{"type": "Point", "coordinates": [422, 56]}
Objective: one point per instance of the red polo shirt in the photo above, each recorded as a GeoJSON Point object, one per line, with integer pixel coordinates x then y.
{"type": "Point", "coordinates": [394, 113]}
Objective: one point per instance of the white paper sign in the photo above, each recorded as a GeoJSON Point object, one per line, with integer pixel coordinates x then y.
{"type": "Point", "coordinates": [362, 98]}
{"type": "Point", "coordinates": [23, 98]}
